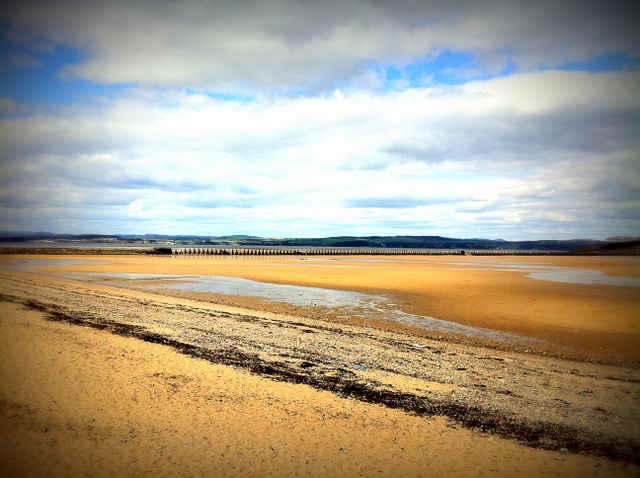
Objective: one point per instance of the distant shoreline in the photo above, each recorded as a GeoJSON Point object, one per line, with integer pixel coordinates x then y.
{"type": "Point", "coordinates": [615, 249]}
{"type": "Point", "coordinates": [73, 250]}
{"type": "Point", "coordinates": [383, 244]}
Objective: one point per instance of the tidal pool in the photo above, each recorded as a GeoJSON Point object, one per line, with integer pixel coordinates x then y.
{"type": "Point", "coordinates": [545, 272]}
{"type": "Point", "coordinates": [583, 276]}
{"type": "Point", "coordinates": [342, 303]}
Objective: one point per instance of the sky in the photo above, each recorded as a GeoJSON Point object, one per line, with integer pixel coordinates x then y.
{"type": "Point", "coordinates": [284, 118]}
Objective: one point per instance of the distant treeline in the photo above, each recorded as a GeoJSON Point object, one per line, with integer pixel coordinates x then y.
{"type": "Point", "coordinates": [627, 248]}
{"type": "Point", "coordinates": [430, 242]}
{"type": "Point", "coordinates": [418, 242]}
{"type": "Point", "coordinates": [586, 246]}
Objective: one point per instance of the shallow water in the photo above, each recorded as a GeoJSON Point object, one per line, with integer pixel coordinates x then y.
{"type": "Point", "coordinates": [582, 276]}
{"type": "Point", "coordinates": [31, 265]}
{"type": "Point", "coordinates": [533, 271]}
{"type": "Point", "coordinates": [342, 303]}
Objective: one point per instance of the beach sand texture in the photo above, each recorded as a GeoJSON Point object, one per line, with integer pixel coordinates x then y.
{"type": "Point", "coordinates": [79, 401]}
{"type": "Point", "coordinates": [595, 321]}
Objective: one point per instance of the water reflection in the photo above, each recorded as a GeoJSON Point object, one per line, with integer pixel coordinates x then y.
{"type": "Point", "coordinates": [533, 271]}
{"type": "Point", "coordinates": [583, 276]}
{"type": "Point", "coordinates": [343, 303]}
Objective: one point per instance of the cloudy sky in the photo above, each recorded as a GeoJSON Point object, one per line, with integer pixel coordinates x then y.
{"type": "Point", "coordinates": [300, 118]}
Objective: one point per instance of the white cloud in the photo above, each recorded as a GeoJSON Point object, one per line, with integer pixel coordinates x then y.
{"type": "Point", "coordinates": [137, 205]}
{"type": "Point", "coordinates": [252, 45]}
{"type": "Point", "coordinates": [475, 159]}
{"type": "Point", "coordinates": [555, 90]}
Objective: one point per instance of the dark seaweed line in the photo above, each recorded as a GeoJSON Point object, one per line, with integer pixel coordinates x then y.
{"type": "Point", "coordinates": [546, 435]}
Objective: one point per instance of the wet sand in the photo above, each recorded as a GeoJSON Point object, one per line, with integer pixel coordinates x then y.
{"type": "Point", "coordinates": [77, 401]}
{"type": "Point", "coordinates": [588, 321]}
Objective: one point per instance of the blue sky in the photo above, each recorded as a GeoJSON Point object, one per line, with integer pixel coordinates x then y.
{"type": "Point", "coordinates": [279, 118]}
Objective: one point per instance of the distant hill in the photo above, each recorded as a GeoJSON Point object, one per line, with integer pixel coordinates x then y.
{"type": "Point", "coordinates": [614, 245]}
{"type": "Point", "coordinates": [622, 239]}
{"type": "Point", "coordinates": [623, 248]}
{"type": "Point", "coordinates": [47, 236]}
{"type": "Point", "coordinates": [238, 237]}
{"type": "Point", "coordinates": [24, 233]}
{"type": "Point", "coordinates": [438, 242]}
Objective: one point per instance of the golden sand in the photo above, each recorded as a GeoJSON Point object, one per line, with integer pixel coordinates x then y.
{"type": "Point", "coordinates": [81, 402]}
{"type": "Point", "coordinates": [594, 321]}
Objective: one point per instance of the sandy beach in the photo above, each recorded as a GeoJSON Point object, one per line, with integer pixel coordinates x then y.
{"type": "Point", "coordinates": [588, 321]}
{"type": "Point", "coordinates": [109, 379]}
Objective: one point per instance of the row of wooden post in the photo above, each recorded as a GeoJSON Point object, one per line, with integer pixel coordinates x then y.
{"type": "Point", "coordinates": [258, 251]}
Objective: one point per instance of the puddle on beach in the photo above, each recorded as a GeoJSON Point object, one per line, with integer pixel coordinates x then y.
{"type": "Point", "coordinates": [32, 265]}
{"type": "Point", "coordinates": [344, 303]}
{"type": "Point", "coordinates": [583, 276]}
{"type": "Point", "coordinates": [533, 271]}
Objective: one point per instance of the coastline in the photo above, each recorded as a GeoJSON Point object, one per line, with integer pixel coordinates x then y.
{"type": "Point", "coordinates": [90, 403]}
{"type": "Point", "coordinates": [568, 410]}
{"type": "Point", "coordinates": [591, 322]}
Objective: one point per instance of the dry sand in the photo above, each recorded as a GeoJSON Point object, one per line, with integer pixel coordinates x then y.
{"type": "Point", "coordinates": [83, 402]}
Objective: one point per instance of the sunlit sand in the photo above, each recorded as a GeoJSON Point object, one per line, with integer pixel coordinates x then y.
{"type": "Point", "coordinates": [78, 400]}
{"type": "Point", "coordinates": [594, 320]}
